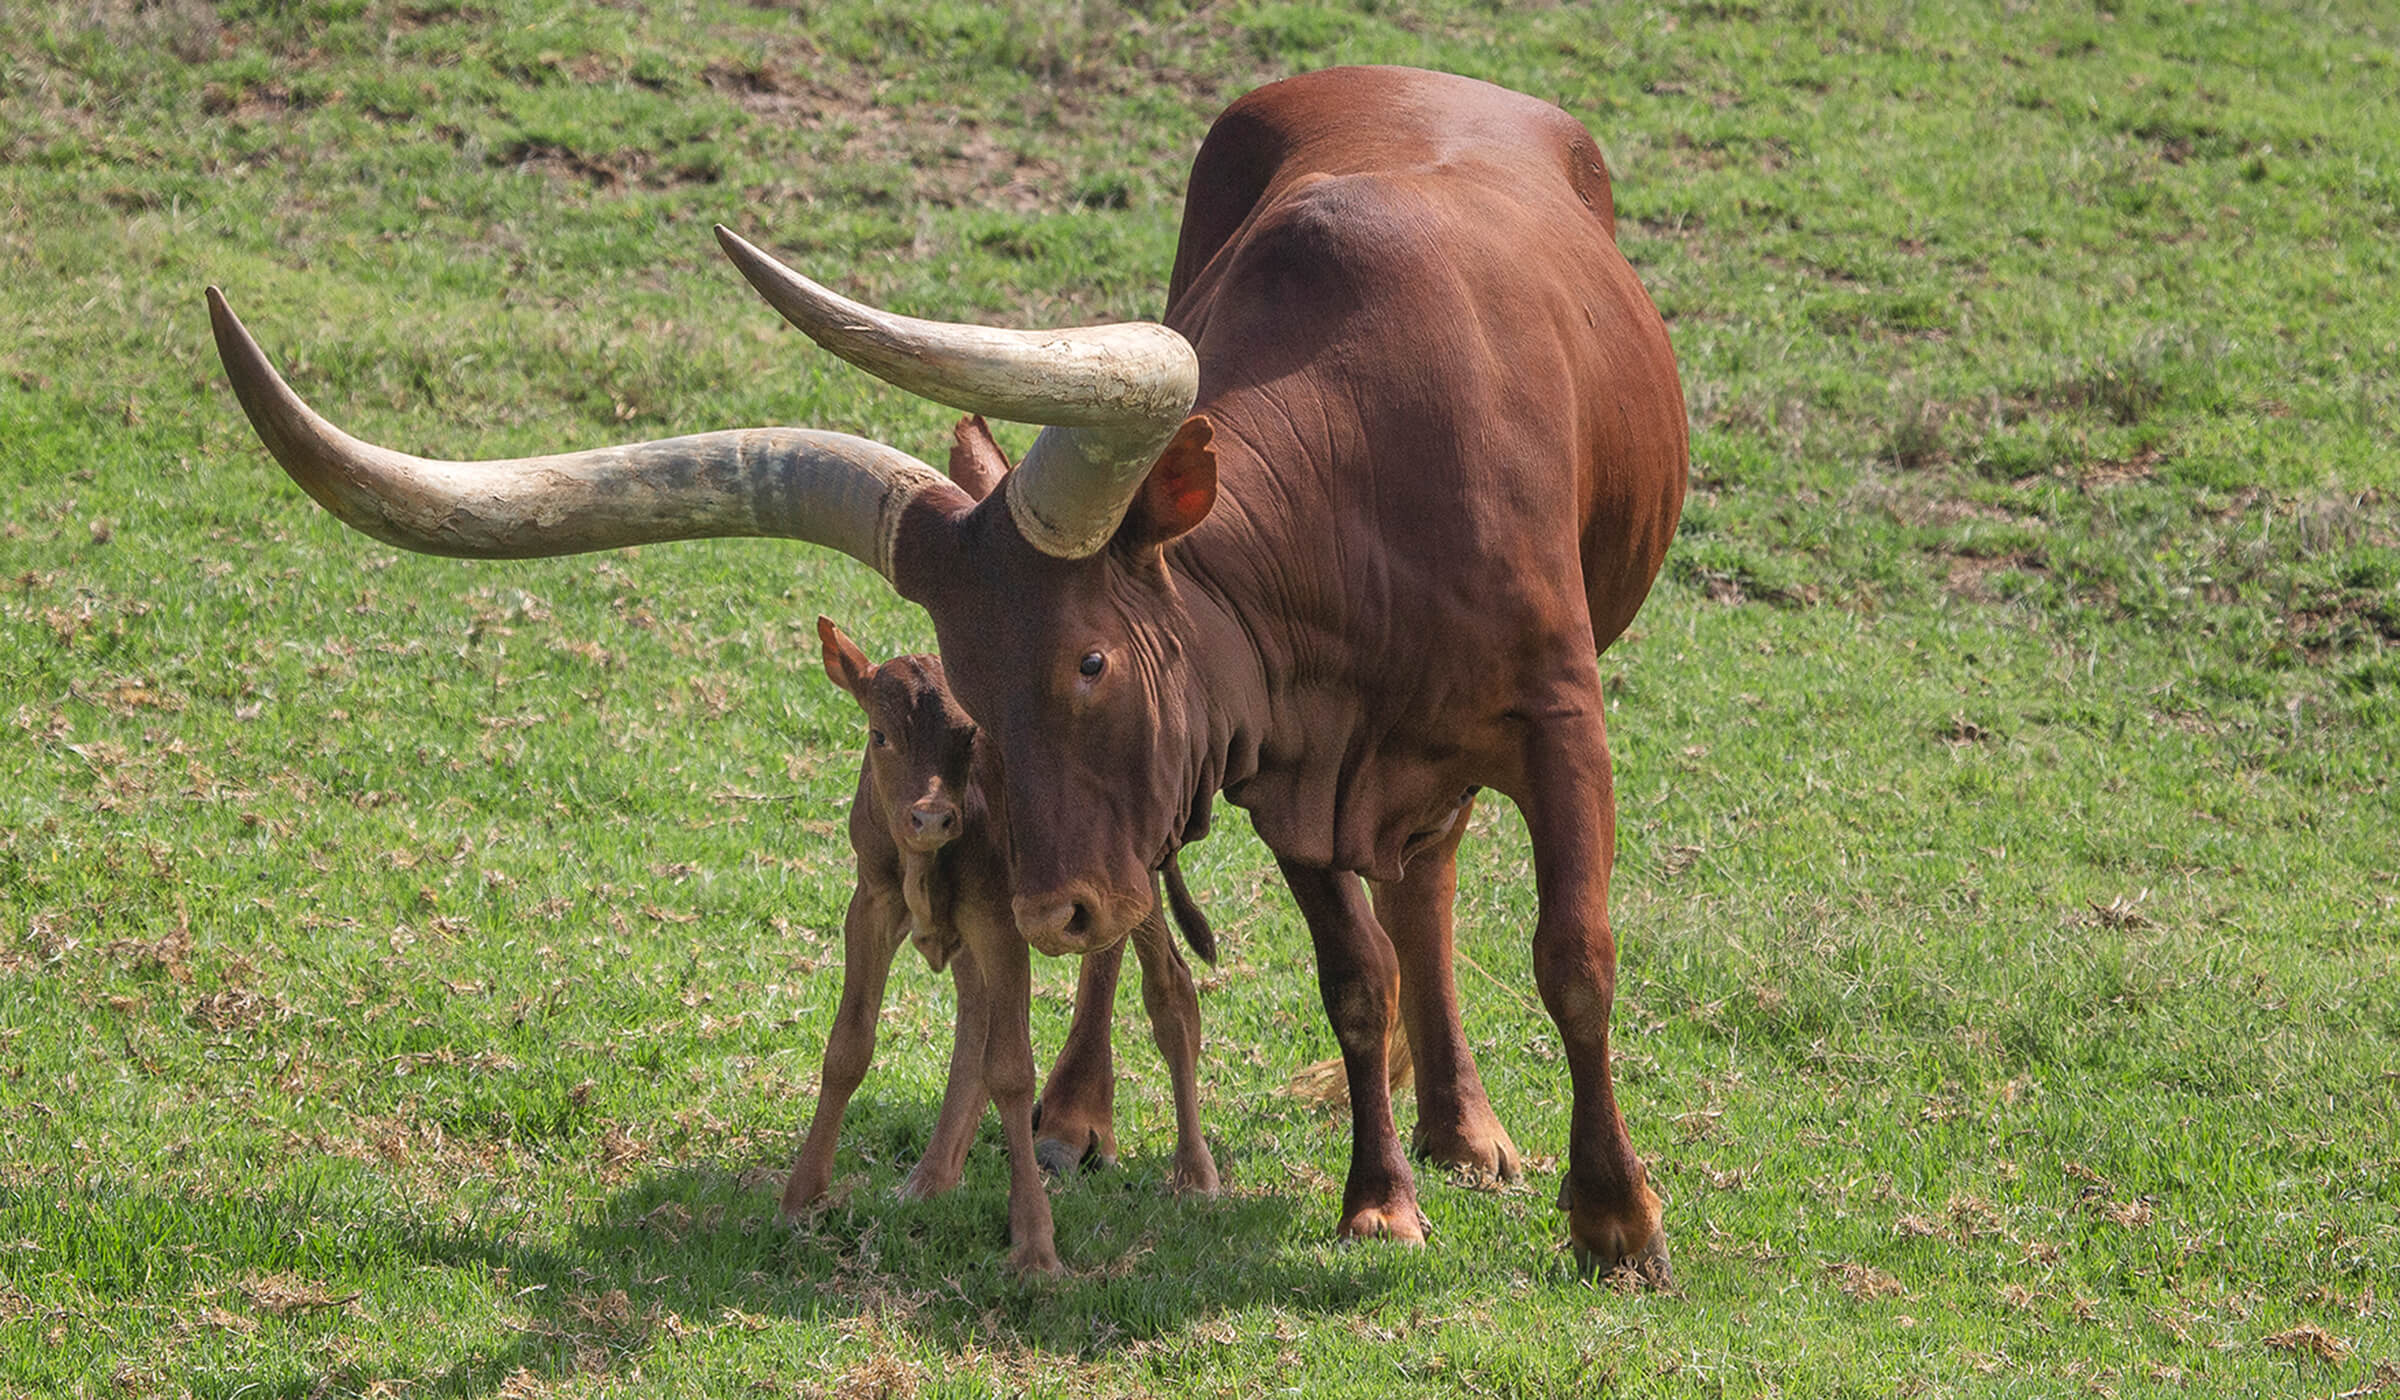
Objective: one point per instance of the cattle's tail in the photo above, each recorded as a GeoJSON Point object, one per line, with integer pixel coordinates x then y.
{"type": "Point", "coordinates": [1188, 918]}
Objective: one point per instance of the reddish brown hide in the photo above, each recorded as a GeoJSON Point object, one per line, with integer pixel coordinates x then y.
{"type": "Point", "coordinates": [931, 868]}
{"type": "Point", "coordinates": [1438, 454]}
{"type": "Point", "coordinates": [1435, 454]}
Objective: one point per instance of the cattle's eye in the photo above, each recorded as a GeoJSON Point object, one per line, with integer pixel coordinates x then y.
{"type": "Point", "coordinates": [875, 737]}
{"type": "Point", "coordinates": [1092, 663]}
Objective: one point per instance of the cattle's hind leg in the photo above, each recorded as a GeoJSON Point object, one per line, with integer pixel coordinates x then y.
{"type": "Point", "coordinates": [1455, 1123]}
{"type": "Point", "coordinates": [1174, 1007]}
{"type": "Point", "coordinates": [871, 933]}
{"type": "Point", "coordinates": [1075, 1118]}
{"type": "Point", "coordinates": [1613, 1217]}
{"type": "Point", "coordinates": [1356, 973]}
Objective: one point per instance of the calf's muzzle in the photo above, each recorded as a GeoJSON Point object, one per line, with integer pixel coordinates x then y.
{"type": "Point", "coordinates": [932, 824]}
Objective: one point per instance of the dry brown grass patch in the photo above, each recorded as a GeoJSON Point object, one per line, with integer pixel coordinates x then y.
{"type": "Point", "coordinates": [2308, 1339]}
{"type": "Point", "coordinates": [235, 1010]}
{"type": "Point", "coordinates": [2122, 913]}
{"type": "Point", "coordinates": [1863, 1282]}
{"type": "Point", "coordinates": [286, 1294]}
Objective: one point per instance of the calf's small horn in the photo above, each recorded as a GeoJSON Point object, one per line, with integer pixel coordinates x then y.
{"type": "Point", "coordinates": [1109, 397]}
{"type": "Point", "coordinates": [831, 489]}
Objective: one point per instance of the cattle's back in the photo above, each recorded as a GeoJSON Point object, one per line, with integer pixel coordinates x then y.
{"type": "Point", "coordinates": [1346, 121]}
{"type": "Point", "coordinates": [1409, 305]}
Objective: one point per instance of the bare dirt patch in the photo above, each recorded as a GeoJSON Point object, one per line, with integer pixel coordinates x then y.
{"type": "Point", "coordinates": [627, 166]}
{"type": "Point", "coordinates": [247, 101]}
{"type": "Point", "coordinates": [1972, 578]}
{"type": "Point", "coordinates": [771, 87]}
{"type": "Point", "coordinates": [2107, 472]}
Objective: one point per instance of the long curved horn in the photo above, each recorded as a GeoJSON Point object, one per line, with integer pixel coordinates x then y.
{"type": "Point", "coordinates": [844, 492]}
{"type": "Point", "coordinates": [1110, 397]}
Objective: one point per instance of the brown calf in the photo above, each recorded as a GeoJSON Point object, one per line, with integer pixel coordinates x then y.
{"type": "Point", "coordinates": [932, 869]}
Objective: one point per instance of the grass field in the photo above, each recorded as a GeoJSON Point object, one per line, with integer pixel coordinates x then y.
{"type": "Point", "coordinates": [412, 972]}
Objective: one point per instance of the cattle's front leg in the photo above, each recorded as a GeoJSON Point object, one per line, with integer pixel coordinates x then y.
{"type": "Point", "coordinates": [1455, 1123]}
{"type": "Point", "coordinates": [871, 933]}
{"type": "Point", "coordinates": [945, 1158]}
{"type": "Point", "coordinates": [1174, 1007]}
{"type": "Point", "coordinates": [1356, 973]}
{"type": "Point", "coordinates": [1076, 1114]}
{"type": "Point", "coordinates": [1613, 1217]}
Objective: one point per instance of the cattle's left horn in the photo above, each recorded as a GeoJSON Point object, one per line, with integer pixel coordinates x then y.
{"type": "Point", "coordinates": [1109, 397]}
{"type": "Point", "coordinates": [844, 492]}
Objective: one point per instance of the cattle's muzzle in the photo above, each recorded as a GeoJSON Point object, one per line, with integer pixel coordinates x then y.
{"type": "Point", "coordinates": [929, 824]}
{"type": "Point", "coordinates": [1074, 921]}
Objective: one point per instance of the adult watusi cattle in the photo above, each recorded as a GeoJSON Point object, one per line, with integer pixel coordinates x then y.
{"type": "Point", "coordinates": [1341, 540]}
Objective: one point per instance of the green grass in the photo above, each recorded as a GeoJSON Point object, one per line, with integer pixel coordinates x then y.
{"type": "Point", "coordinates": [412, 972]}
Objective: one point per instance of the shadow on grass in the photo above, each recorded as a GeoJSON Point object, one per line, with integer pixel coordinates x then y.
{"type": "Point", "coordinates": [701, 1249]}
{"type": "Point", "coordinates": [673, 1257]}
{"type": "Point", "coordinates": [670, 1258]}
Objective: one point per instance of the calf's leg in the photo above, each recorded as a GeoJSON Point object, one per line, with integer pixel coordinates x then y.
{"type": "Point", "coordinates": [1356, 974]}
{"type": "Point", "coordinates": [872, 930]}
{"type": "Point", "coordinates": [945, 1158]}
{"type": "Point", "coordinates": [1174, 1007]}
{"type": "Point", "coordinates": [1455, 1123]}
{"type": "Point", "coordinates": [1007, 975]}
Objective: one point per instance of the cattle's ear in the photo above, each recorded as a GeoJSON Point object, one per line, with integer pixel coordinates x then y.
{"type": "Point", "coordinates": [1181, 486]}
{"type": "Point", "coordinates": [844, 662]}
{"type": "Point", "coordinates": [976, 462]}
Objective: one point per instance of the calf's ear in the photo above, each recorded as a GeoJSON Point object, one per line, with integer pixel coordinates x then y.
{"type": "Point", "coordinates": [1181, 487]}
{"type": "Point", "coordinates": [976, 462]}
{"type": "Point", "coordinates": [844, 662]}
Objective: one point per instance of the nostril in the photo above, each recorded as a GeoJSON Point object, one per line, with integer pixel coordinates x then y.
{"type": "Point", "coordinates": [1079, 919]}
{"type": "Point", "coordinates": [940, 822]}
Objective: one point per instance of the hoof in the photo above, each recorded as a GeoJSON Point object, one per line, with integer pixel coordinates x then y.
{"type": "Point", "coordinates": [1626, 1244]}
{"type": "Point", "coordinates": [1194, 1178]}
{"type": "Point", "coordinates": [801, 1194]}
{"type": "Point", "coordinates": [1063, 1159]}
{"type": "Point", "coordinates": [1483, 1158]}
{"type": "Point", "coordinates": [1406, 1224]}
{"type": "Point", "coordinates": [1057, 1158]}
{"type": "Point", "coordinates": [1648, 1267]}
{"type": "Point", "coordinates": [1035, 1259]}
{"type": "Point", "coordinates": [1073, 1138]}
{"type": "Point", "coordinates": [923, 1185]}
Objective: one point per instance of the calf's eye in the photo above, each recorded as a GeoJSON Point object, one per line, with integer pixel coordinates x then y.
{"type": "Point", "coordinates": [1092, 662]}
{"type": "Point", "coordinates": [875, 737]}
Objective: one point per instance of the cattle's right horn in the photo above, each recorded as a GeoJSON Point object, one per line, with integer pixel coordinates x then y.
{"type": "Point", "coordinates": [844, 492]}
{"type": "Point", "coordinates": [1109, 398]}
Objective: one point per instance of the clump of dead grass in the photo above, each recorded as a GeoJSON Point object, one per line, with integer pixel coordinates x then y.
{"type": "Point", "coordinates": [1864, 1283]}
{"type": "Point", "coordinates": [2308, 1339]}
